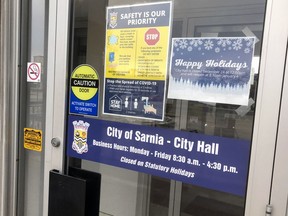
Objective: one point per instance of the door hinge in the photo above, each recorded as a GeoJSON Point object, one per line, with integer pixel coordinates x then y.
{"type": "Point", "coordinates": [268, 210]}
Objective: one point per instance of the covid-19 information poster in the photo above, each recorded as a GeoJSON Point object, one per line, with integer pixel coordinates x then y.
{"type": "Point", "coordinates": [136, 60]}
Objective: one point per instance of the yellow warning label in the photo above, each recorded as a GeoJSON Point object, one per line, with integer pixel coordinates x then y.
{"type": "Point", "coordinates": [84, 82]}
{"type": "Point", "coordinates": [33, 139]}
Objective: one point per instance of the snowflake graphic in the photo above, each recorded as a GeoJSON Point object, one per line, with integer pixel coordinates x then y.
{"type": "Point", "coordinates": [247, 50]}
{"type": "Point", "coordinates": [196, 42]}
{"type": "Point", "coordinates": [237, 45]}
{"type": "Point", "coordinates": [208, 45]}
{"type": "Point", "coordinates": [217, 49]}
{"type": "Point", "coordinates": [183, 44]}
{"type": "Point", "coordinates": [190, 48]}
{"type": "Point", "coordinates": [249, 42]}
{"type": "Point", "coordinates": [176, 43]}
{"type": "Point", "coordinates": [224, 42]}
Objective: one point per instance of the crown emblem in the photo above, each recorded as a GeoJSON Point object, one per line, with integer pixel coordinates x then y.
{"type": "Point", "coordinates": [113, 19]}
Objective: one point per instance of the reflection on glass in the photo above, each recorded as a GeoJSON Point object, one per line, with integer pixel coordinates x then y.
{"type": "Point", "coordinates": [198, 201]}
{"type": "Point", "coordinates": [159, 196]}
{"type": "Point", "coordinates": [190, 19]}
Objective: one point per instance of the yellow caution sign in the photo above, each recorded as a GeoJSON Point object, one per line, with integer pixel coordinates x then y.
{"type": "Point", "coordinates": [84, 82]}
{"type": "Point", "coordinates": [33, 139]}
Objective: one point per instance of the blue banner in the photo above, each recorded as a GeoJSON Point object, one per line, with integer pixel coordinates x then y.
{"type": "Point", "coordinates": [212, 162]}
{"type": "Point", "coordinates": [139, 15]}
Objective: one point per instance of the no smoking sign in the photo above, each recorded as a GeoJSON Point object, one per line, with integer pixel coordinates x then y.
{"type": "Point", "coordinates": [33, 72]}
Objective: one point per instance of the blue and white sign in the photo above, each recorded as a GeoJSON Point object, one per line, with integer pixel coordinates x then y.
{"type": "Point", "coordinates": [212, 162]}
{"type": "Point", "coordinates": [84, 91]}
{"type": "Point", "coordinates": [213, 70]}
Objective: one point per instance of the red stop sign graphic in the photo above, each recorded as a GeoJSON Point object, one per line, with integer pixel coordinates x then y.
{"type": "Point", "coordinates": [152, 36]}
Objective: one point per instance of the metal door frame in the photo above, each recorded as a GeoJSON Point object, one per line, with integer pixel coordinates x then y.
{"type": "Point", "coordinates": [279, 188]}
{"type": "Point", "coordinates": [57, 67]}
{"type": "Point", "coordinates": [9, 104]}
{"type": "Point", "coordinates": [267, 108]}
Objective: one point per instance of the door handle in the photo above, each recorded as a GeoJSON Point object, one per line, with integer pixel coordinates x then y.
{"type": "Point", "coordinates": [55, 142]}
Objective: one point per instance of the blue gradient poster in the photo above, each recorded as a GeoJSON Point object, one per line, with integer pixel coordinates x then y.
{"type": "Point", "coordinates": [216, 70]}
{"type": "Point", "coordinates": [212, 162]}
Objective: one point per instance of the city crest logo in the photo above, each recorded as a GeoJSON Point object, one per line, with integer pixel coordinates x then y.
{"type": "Point", "coordinates": [80, 137]}
{"type": "Point", "coordinates": [113, 19]}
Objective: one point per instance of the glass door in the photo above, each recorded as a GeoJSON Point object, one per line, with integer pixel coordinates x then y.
{"type": "Point", "coordinates": [32, 107]}
{"type": "Point", "coordinates": [151, 194]}
{"type": "Point", "coordinates": [129, 192]}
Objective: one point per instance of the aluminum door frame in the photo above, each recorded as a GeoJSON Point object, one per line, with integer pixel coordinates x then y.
{"type": "Point", "coordinates": [57, 72]}
{"type": "Point", "coordinates": [9, 104]}
{"type": "Point", "coordinates": [267, 108]}
{"type": "Point", "coordinates": [279, 188]}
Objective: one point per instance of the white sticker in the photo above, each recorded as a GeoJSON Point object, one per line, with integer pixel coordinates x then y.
{"type": "Point", "coordinates": [33, 72]}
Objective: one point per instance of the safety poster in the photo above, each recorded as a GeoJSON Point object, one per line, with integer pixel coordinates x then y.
{"type": "Point", "coordinates": [136, 60]}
